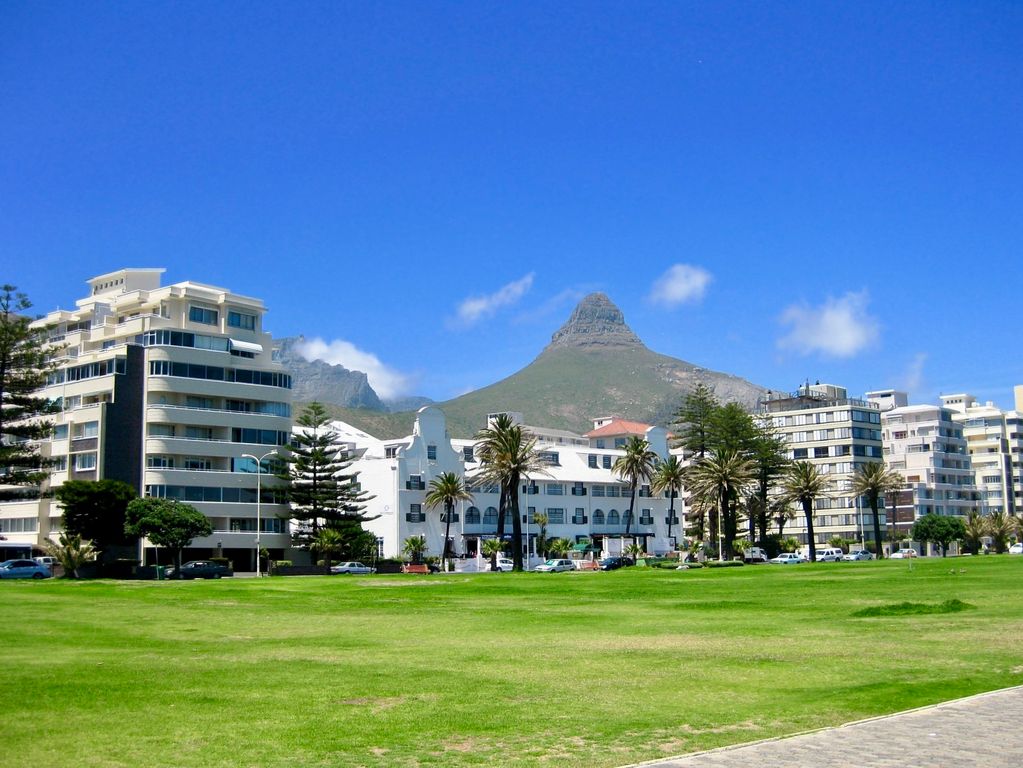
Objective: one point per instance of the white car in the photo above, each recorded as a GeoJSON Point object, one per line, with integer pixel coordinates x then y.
{"type": "Point", "coordinates": [1016, 549]}
{"type": "Point", "coordinates": [504, 565]}
{"type": "Point", "coordinates": [755, 555]}
{"type": "Point", "coordinates": [788, 558]}
{"type": "Point", "coordinates": [555, 566]}
{"type": "Point", "coordinates": [830, 555]}
{"type": "Point", "coordinates": [858, 554]}
{"type": "Point", "coordinates": [904, 554]}
{"type": "Point", "coordinates": [352, 567]}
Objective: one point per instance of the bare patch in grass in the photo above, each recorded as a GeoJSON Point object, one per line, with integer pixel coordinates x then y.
{"type": "Point", "coordinates": [375, 705]}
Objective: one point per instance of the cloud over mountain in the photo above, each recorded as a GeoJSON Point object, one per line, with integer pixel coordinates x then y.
{"type": "Point", "coordinates": [837, 328]}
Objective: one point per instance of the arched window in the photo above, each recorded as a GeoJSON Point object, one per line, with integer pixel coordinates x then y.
{"type": "Point", "coordinates": [598, 517]}
{"type": "Point", "coordinates": [472, 516]}
{"type": "Point", "coordinates": [490, 516]}
{"type": "Point", "coordinates": [627, 518]}
{"type": "Point", "coordinates": [612, 517]}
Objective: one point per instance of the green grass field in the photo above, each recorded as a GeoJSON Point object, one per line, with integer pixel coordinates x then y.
{"type": "Point", "coordinates": [595, 669]}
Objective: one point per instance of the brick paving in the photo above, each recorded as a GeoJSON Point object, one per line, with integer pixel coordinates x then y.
{"type": "Point", "coordinates": [983, 731]}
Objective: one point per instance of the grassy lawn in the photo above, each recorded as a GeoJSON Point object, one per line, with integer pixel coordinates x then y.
{"type": "Point", "coordinates": [596, 669]}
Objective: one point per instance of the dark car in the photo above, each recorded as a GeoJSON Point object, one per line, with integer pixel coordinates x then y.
{"type": "Point", "coordinates": [199, 569]}
{"type": "Point", "coordinates": [613, 563]}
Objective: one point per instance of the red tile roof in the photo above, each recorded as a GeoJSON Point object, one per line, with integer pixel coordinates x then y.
{"type": "Point", "coordinates": [619, 427]}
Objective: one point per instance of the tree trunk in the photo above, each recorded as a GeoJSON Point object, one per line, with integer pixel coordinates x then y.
{"type": "Point", "coordinates": [712, 533]}
{"type": "Point", "coordinates": [502, 507]}
{"type": "Point", "coordinates": [632, 506]}
{"type": "Point", "coordinates": [448, 511]}
{"type": "Point", "coordinates": [728, 527]}
{"type": "Point", "coordinates": [516, 528]}
{"type": "Point", "coordinates": [879, 554]}
{"type": "Point", "coordinates": [671, 512]}
{"type": "Point", "coordinates": [808, 513]}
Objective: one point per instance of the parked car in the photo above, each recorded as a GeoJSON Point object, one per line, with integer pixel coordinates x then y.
{"type": "Point", "coordinates": [556, 566]}
{"type": "Point", "coordinates": [755, 555]}
{"type": "Point", "coordinates": [858, 554]}
{"type": "Point", "coordinates": [788, 558]}
{"type": "Point", "coordinates": [200, 569]}
{"type": "Point", "coordinates": [504, 565]}
{"type": "Point", "coordinates": [829, 555]}
{"type": "Point", "coordinates": [1016, 549]}
{"type": "Point", "coordinates": [613, 563]}
{"type": "Point", "coordinates": [904, 554]}
{"type": "Point", "coordinates": [46, 560]}
{"type": "Point", "coordinates": [23, 569]}
{"type": "Point", "coordinates": [352, 567]}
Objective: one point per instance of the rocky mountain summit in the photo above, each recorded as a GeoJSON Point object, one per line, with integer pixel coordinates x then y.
{"type": "Point", "coordinates": [322, 382]}
{"type": "Point", "coordinates": [595, 322]}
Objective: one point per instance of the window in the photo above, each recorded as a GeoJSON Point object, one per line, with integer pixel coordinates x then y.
{"type": "Point", "coordinates": [592, 461]}
{"type": "Point", "coordinates": [60, 432]}
{"type": "Point", "coordinates": [198, 402]}
{"type": "Point", "coordinates": [490, 516]}
{"type": "Point", "coordinates": [620, 442]}
{"type": "Point", "coordinates": [646, 517]}
{"type": "Point", "coordinates": [259, 436]}
{"type": "Point", "coordinates": [555, 515]}
{"type": "Point", "coordinates": [444, 517]}
{"type": "Point", "coordinates": [198, 463]}
{"type": "Point", "coordinates": [467, 454]}
{"type": "Point", "coordinates": [59, 464]}
{"type": "Point", "coordinates": [161, 430]}
{"type": "Point", "coordinates": [598, 490]}
{"type": "Point", "coordinates": [391, 452]}
{"type": "Point", "coordinates": [85, 461]}
{"type": "Point", "coordinates": [85, 430]}
{"type": "Point", "coordinates": [415, 483]}
{"type": "Point", "coordinates": [203, 315]}
{"type": "Point", "coordinates": [550, 458]}
{"type": "Point", "coordinates": [578, 490]}
{"type": "Point", "coordinates": [472, 516]}
{"type": "Point", "coordinates": [820, 452]}
{"type": "Point", "coordinates": [199, 433]}
{"type": "Point", "coordinates": [579, 518]}
{"type": "Point", "coordinates": [598, 517]}
{"type": "Point", "coordinates": [607, 462]}
{"type": "Point", "coordinates": [612, 517]}
{"type": "Point", "coordinates": [555, 489]}
{"type": "Point", "coordinates": [160, 462]}
{"type": "Point", "coordinates": [431, 452]}
{"type": "Point", "coordinates": [241, 320]}
{"type": "Point", "coordinates": [415, 514]}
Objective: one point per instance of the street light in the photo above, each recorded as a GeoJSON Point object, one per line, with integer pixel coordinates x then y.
{"type": "Point", "coordinates": [259, 498]}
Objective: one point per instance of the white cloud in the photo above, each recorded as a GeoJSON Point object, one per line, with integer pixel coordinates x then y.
{"type": "Point", "coordinates": [680, 284]}
{"type": "Point", "coordinates": [474, 309]}
{"type": "Point", "coordinates": [913, 377]}
{"type": "Point", "coordinates": [386, 381]}
{"type": "Point", "coordinates": [838, 328]}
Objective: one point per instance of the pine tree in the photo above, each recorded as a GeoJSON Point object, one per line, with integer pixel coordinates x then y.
{"type": "Point", "coordinates": [693, 420]}
{"type": "Point", "coordinates": [24, 365]}
{"type": "Point", "coordinates": [321, 492]}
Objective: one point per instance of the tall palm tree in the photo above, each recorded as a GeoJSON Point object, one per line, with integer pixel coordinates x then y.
{"type": "Point", "coordinates": [669, 476]}
{"type": "Point", "coordinates": [804, 483]}
{"type": "Point", "coordinates": [488, 446]}
{"type": "Point", "coordinates": [999, 528]}
{"type": "Point", "coordinates": [722, 477]}
{"type": "Point", "coordinates": [447, 489]}
{"type": "Point", "coordinates": [635, 465]}
{"type": "Point", "coordinates": [509, 455]}
{"type": "Point", "coordinates": [873, 480]}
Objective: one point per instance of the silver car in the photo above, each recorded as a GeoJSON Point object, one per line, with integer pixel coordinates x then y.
{"type": "Point", "coordinates": [352, 567]}
{"type": "Point", "coordinates": [555, 566]}
{"type": "Point", "coordinates": [858, 554]}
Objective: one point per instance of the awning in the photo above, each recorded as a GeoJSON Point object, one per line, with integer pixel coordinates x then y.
{"type": "Point", "coordinates": [246, 346]}
{"type": "Point", "coordinates": [585, 548]}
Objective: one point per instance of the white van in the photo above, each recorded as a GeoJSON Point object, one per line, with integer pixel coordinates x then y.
{"type": "Point", "coordinates": [755, 555]}
{"type": "Point", "coordinates": [46, 560]}
{"type": "Point", "coordinates": [829, 555]}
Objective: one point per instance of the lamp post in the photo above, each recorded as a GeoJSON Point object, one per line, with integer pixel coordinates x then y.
{"type": "Point", "coordinates": [259, 498]}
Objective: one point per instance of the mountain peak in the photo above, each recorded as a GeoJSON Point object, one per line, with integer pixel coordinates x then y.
{"type": "Point", "coordinates": [595, 322]}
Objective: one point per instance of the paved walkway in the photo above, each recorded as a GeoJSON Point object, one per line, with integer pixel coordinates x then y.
{"type": "Point", "coordinates": [981, 731]}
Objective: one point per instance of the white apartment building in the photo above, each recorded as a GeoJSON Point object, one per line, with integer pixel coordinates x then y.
{"type": "Point", "coordinates": [926, 446]}
{"type": "Point", "coordinates": [987, 430]}
{"type": "Point", "coordinates": [823, 425]}
{"type": "Point", "coordinates": [167, 388]}
{"type": "Point", "coordinates": [581, 496]}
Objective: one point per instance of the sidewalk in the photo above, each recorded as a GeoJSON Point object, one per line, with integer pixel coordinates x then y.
{"type": "Point", "coordinates": [983, 731]}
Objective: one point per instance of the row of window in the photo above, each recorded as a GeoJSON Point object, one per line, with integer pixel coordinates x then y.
{"type": "Point", "coordinates": [209, 316]}
{"type": "Point", "coordinates": [238, 434]}
{"type": "Point", "coordinates": [226, 495]}
{"type": "Point", "coordinates": [19, 524]}
{"type": "Point", "coordinates": [87, 371]}
{"type": "Point", "coordinates": [825, 451]}
{"type": "Point", "coordinates": [217, 373]}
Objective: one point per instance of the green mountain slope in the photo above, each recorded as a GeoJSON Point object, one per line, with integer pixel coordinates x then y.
{"type": "Point", "coordinates": [594, 366]}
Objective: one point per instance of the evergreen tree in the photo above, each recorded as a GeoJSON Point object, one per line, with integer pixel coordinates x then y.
{"type": "Point", "coordinates": [321, 492]}
{"type": "Point", "coordinates": [166, 523]}
{"type": "Point", "coordinates": [95, 509]}
{"type": "Point", "coordinates": [24, 366]}
{"type": "Point", "coordinates": [693, 420]}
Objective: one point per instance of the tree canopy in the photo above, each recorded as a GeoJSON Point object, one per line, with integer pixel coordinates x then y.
{"type": "Point", "coordinates": [95, 510]}
{"type": "Point", "coordinates": [166, 523]}
{"type": "Point", "coordinates": [939, 529]}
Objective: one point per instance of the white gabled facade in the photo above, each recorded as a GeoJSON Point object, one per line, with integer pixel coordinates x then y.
{"type": "Point", "coordinates": [579, 493]}
{"type": "Point", "coordinates": [165, 388]}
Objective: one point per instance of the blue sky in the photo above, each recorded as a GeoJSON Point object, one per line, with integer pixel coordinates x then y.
{"type": "Point", "coordinates": [785, 192]}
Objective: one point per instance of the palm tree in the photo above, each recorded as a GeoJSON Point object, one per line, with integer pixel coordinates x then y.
{"type": "Point", "coordinates": [873, 480]}
{"type": "Point", "coordinates": [541, 519]}
{"type": "Point", "coordinates": [999, 528]}
{"type": "Point", "coordinates": [509, 455]}
{"type": "Point", "coordinates": [71, 552]}
{"type": "Point", "coordinates": [328, 542]}
{"type": "Point", "coordinates": [669, 477]}
{"type": "Point", "coordinates": [782, 514]}
{"type": "Point", "coordinates": [415, 547]}
{"type": "Point", "coordinates": [492, 548]}
{"type": "Point", "coordinates": [446, 490]}
{"type": "Point", "coordinates": [559, 547]}
{"type": "Point", "coordinates": [976, 529]}
{"type": "Point", "coordinates": [488, 448]}
{"type": "Point", "coordinates": [804, 483]}
{"type": "Point", "coordinates": [721, 478]}
{"type": "Point", "coordinates": [635, 465]}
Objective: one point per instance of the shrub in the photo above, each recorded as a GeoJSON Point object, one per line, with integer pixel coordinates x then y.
{"type": "Point", "coordinates": [725, 564]}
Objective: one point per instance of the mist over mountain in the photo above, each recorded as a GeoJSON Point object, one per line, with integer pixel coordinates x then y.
{"type": "Point", "coordinates": [595, 365]}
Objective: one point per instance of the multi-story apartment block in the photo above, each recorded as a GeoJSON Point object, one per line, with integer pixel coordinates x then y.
{"type": "Point", "coordinates": [823, 425]}
{"type": "Point", "coordinates": [167, 389]}
{"type": "Point", "coordinates": [926, 446]}
{"type": "Point", "coordinates": [991, 434]}
{"type": "Point", "coordinates": [578, 492]}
